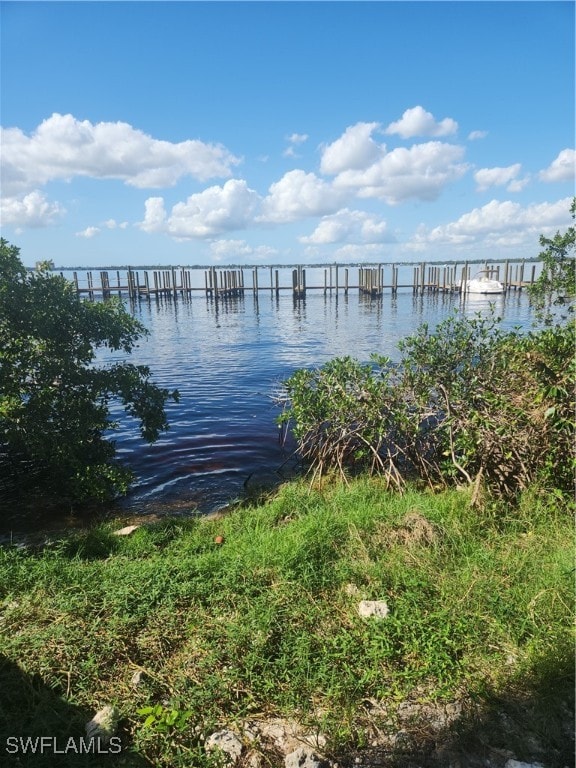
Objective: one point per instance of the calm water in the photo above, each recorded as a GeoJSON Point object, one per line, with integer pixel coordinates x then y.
{"type": "Point", "coordinates": [228, 359]}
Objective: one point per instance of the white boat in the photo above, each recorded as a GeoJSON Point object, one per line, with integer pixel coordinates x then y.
{"type": "Point", "coordinates": [484, 281]}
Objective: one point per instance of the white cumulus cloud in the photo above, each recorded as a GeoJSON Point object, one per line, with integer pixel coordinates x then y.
{"type": "Point", "coordinates": [154, 215]}
{"type": "Point", "coordinates": [517, 185]}
{"type": "Point", "coordinates": [500, 224]}
{"type": "Point", "coordinates": [348, 226]}
{"type": "Point", "coordinates": [113, 224]}
{"type": "Point", "coordinates": [421, 171]}
{"type": "Point", "coordinates": [236, 250]}
{"type": "Point", "coordinates": [299, 195]}
{"type": "Point", "coordinates": [563, 168]}
{"type": "Point", "coordinates": [298, 138]}
{"type": "Point", "coordinates": [418, 122]}
{"type": "Point", "coordinates": [295, 139]}
{"type": "Point", "coordinates": [31, 210]}
{"type": "Point", "coordinates": [496, 177]}
{"type": "Point", "coordinates": [63, 147]}
{"type": "Point", "coordinates": [209, 213]}
{"type": "Point", "coordinates": [475, 135]}
{"type": "Point", "coordinates": [89, 232]}
{"type": "Point", "coordinates": [355, 149]}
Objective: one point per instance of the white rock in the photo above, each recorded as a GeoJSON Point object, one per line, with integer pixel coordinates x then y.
{"type": "Point", "coordinates": [519, 764]}
{"type": "Point", "coordinates": [254, 760]}
{"type": "Point", "coordinates": [137, 678]}
{"type": "Point", "coordinates": [250, 731]}
{"type": "Point", "coordinates": [303, 758]}
{"type": "Point", "coordinates": [377, 608]}
{"type": "Point", "coordinates": [126, 531]}
{"type": "Point", "coordinates": [287, 735]}
{"type": "Point", "coordinates": [227, 742]}
{"type": "Point", "coordinates": [103, 725]}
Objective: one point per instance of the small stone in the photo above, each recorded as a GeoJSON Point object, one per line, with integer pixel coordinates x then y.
{"type": "Point", "coordinates": [254, 760]}
{"type": "Point", "coordinates": [403, 739]}
{"type": "Point", "coordinates": [376, 608]}
{"type": "Point", "coordinates": [103, 725]}
{"type": "Point", "coordinates": [519, 764]}
{"type": "Point", "coordinates": [453, 709]}
{"type": "Point", "coordinates": [126, 531]}
{"type": "Point", "coordinates": [250, 731]}
{"type": "Point", "coordinates": [137, 678]}
{"type": "Point", "coordinates": [227, 742]}
{"type": "Point", "coordinates": [303, 758]}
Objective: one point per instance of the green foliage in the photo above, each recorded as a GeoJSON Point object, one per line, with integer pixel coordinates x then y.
{"type": "Point", "coordinates": [494, 395]}
{"type": "Point", "coordinates": [345, 414]}
{"type": "Point", "coordinates": [556, 285]}
{"type": "Point", "coordinates": [452, 357]}
{"type": "Point", "coordinates": [54, 400]}
{"type": "Point", "coordinates": [45, 266]}
{"type": "Point", "coordinates": [468, 402]}
{"type": "Point", "coordinates": [165, 719]}
{"type": "Point", "coordinates": [445, 375]}
{"type": "Point", "coordinates": [549, 357]}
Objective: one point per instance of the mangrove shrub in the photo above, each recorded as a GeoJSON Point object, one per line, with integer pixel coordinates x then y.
{"type": "Point", "coordinates": [348, 414]}
{"type": "Point", "coordinates": [467, 402]}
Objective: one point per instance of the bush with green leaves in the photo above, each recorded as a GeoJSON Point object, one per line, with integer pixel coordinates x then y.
{"type": "Point", "coordinates": [347, 415]}
{"type": "Point", "coordinates": [549, 357]}
{"type": "Point", "coordinates": [502, 403]}
{"type": "Point", "coordinates": [469, 402]}
{"type": "Point", "coordinates": [54, 399]}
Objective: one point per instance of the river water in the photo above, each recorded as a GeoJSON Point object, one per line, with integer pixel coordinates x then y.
{"type": "Point", "coordinates": [228, 359]}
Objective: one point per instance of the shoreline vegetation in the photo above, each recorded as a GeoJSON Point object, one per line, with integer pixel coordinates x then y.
{"type": "Point", "coordinates": [188, 627]}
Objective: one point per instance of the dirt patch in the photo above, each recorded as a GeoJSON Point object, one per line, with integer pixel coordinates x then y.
{"type": "Point", "coordinates": [415, 529]}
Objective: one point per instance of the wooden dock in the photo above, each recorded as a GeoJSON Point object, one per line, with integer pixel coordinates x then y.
{"type": "Point", "coordinates": [221, 283]}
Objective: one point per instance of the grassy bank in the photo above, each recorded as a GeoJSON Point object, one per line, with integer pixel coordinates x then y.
{"type": "Point", "coordinates": [265, 623]}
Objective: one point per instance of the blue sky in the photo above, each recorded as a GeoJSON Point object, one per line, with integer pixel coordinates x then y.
{"type": "Point", "coordinates": [285, 132]}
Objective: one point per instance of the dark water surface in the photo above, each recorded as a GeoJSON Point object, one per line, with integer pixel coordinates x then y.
{"type": "Point", "coordinates": [228, 359]}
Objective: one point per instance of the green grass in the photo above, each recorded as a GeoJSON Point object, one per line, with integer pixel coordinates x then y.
{"type": "Point", "coordinates": [481, 606]}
